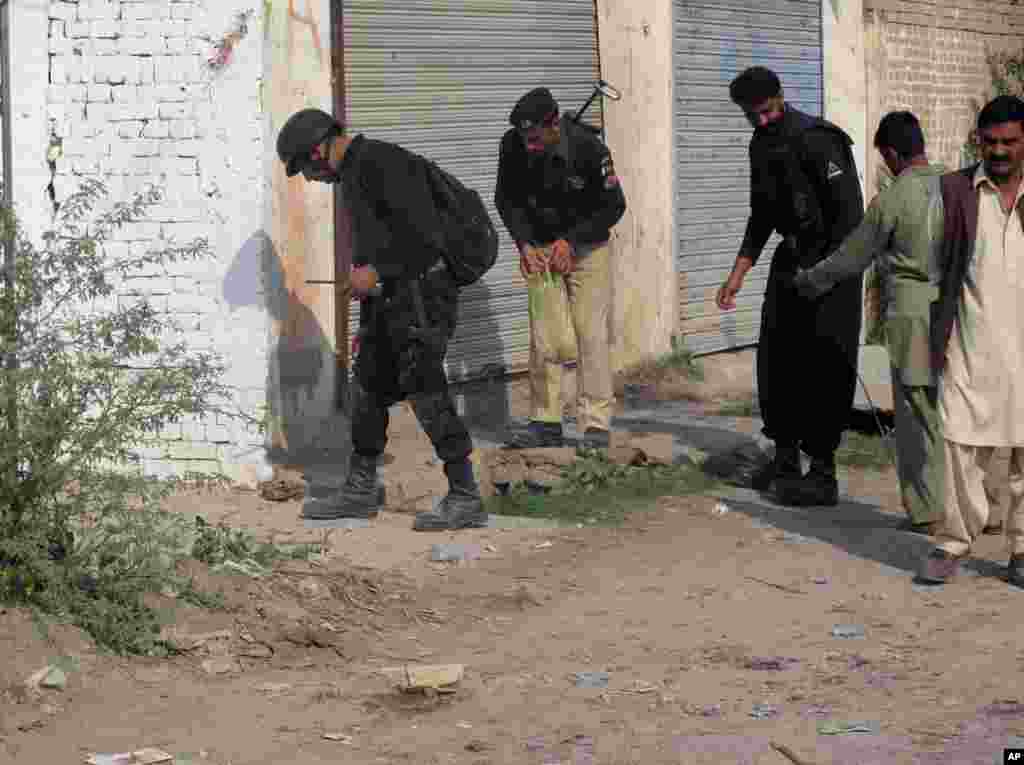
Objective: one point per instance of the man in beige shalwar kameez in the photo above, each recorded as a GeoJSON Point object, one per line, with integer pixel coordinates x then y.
{"type": "Point", "coordinates": [978, 339]}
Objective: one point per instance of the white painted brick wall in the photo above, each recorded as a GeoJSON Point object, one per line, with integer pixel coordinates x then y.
{"type": "Point", "coordinates": [130, 93]}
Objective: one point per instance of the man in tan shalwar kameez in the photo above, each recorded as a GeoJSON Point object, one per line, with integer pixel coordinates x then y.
{"type": "Point", "coordinates": [978, 339]}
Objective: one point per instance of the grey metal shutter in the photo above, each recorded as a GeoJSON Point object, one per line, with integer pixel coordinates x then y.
{"type": "Point", "coordinates": [439, 79]}
{"type": "Point", "coordinates": [714, 41]}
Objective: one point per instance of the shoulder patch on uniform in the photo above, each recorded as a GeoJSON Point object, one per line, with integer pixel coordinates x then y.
{"type": "Point", "coordinates": [833, 170]}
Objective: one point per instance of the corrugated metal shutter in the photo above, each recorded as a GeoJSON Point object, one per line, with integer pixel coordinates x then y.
{"type": "Point", "coordinates": [440, 78]}
{"type": "Point", "coordinates": [714, 41]}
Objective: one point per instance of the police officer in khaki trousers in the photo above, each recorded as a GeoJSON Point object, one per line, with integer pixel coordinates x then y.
{"type": "Point", "coordinates": [558, 196]}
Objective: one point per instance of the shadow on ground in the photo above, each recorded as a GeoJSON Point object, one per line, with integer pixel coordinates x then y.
{"type": "Point", "coordinates": [860, 527]}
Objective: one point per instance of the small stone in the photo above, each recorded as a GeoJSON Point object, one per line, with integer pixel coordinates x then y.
{"type": "Point", "coordinates": [591, 679]}
{"type": "Point", "coordinates": [53, 678]}
{"type": "Point", "coordinates": [763, 711]}
{"type": "Point", "coordinates": [454, 552]}
{"type": "Point", "coordinates": [219, 666]}
{"type": "Point", "coordinates": [256, 651]}
{"type": "Point", "coordinates": [274, 689]}
{"type": "Point", "coordinates": [339, 737]}
{"type": "Point", "coordinates": [848, 631]}
{"type": "Point", "coordinates": [425, 678]}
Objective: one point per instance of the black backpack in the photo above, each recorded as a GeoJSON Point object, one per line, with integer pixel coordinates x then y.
{"type": "Point", "coordinates": [469, 238]}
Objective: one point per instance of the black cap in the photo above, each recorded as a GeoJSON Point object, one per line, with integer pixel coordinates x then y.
{"type": "Point", "coordinates": [304, 130]}
{"type": "Point", "coordinates": [533, 108]}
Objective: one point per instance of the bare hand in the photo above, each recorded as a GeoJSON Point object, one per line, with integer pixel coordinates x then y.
{"type": "Point", "coordinates": [531, 261]}
{"type": "Point", "coordinates": [726, 298]}
{"type": "Point", "coordinates": [363, 279]}
{"type": "Point", "coordinates": [561, 257]}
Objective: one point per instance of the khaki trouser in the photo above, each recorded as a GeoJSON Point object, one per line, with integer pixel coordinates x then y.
{"type": "Point", "coordinates": [589, 290]}
{"type": "Point", "coordinates": [920, 451]}
{"type": "Point", "coordinates": [969, 500]}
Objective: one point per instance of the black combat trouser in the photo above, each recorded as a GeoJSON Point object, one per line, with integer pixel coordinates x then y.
{"type": "Point", "coordinates": [393, 366]}
{"type": "Point", "coordinates": [807, 360]}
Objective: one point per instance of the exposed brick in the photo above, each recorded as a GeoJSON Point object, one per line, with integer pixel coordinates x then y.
{"type": "Point", "coordinates": [85, 167]}
{"type": "Point", "coordinates": [106, 29]}
{"type": "Point", "coordinates": [104, 46]}
{"type": "Point", "coordinates": [125, 94]}
{"type": "Point", "coordinates": [184, 166]}
{"type": "Point", "coordinates": [98, 94]}
{"type": "Point", "coordinates": [156, 129]}
{"type": "Point", "coordinates": [96, 10]}
{"type": "Point", "coordinates": [136, 11]}
{"type": "Point", "coordinates": [175, 28]}
{"type": "Point", "coordinates": [170, 93]}
{"type": "Point", "coordinates": [58, 70]}
{"type": "Point", "coordinates": [182, 129]}
{"type": "Point", "coordinates": [176, 111]}
{"type": "Point", "coordinates": [62, 11]}
{"type": "Point", "coordinates": [79, 30]}
{"type": "Point", "coordinates": [142, 148]}
{"type": "Point", "coordinates": [177, 45]}
{"type": "Point", "coordinates": [140, 46]}
{"type": "Point", "coordinates": [144, 71]}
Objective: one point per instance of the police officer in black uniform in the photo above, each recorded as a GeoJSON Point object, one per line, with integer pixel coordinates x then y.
{"type": "Point", "coordinates": [559, 196]}
{"type": "Point", "coordinates": [804, 185]}
{"type": "Point", "coordinates": [396, 262]}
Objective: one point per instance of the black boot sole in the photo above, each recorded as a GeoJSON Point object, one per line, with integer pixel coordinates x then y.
{"type": "Point", "coordinates": [336, 515]}
{"type": "Point", "coordinates": [473, 524]}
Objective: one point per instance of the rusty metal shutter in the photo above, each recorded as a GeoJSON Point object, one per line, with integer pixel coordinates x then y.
{"type": "Point", "coordinates": [440, 78]}
{"type": "Point", "coordinates": [714, 41]}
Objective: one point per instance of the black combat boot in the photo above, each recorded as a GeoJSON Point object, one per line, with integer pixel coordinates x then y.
{"type": "Point", "coordinates": [360, 497]}
{"type": "Point", "coordinates": [819, 488]}
{"type": "Point", "coordinates": [784, 466]}
{"type": "Point", "coordinates": [537, 435]}
{"type": "Point", "coordinates": [461, 508]}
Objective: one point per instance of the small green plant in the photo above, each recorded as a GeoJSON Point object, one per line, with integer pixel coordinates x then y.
{"type": "Point", "coordinates": [215, 545]}
{"type": "Point", "coordinates": [681, 358]}
{"type": "Point", "coordinates": [595, 491]}
{"type": "Point", "coordinates": [860, 450]}
{"type": "Point", "coordinates": [739, 408]}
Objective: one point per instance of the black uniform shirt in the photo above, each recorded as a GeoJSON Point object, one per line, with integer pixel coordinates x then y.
{"type": "Point", "coordinates": [395, 223]}
{"type": "Point", "coordinates": [570, 192]}
{"type": "Point", "coordinates": [803, 183]}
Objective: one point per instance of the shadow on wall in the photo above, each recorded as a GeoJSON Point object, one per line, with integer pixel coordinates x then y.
{"type": "Point", "coordinates": [301, 354]}
{"type": "Point", "coordinates": [476, 366]}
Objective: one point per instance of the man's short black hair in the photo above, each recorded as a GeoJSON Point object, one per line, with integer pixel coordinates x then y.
{"type": "Point", "coordinates": [1000, 110]}
{"type": "Point", "coordinates": [901, 132]}
{"type": "Point", "coordinates": [754, 86]}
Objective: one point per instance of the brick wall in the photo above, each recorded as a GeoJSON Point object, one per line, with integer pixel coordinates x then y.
{"type": "Point", "coordinates": [134, 99]}
{"type": "Point", "coordinates": [931, 58]}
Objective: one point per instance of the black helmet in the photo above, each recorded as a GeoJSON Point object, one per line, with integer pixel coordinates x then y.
{"type": "Point", "coordinates": [304, 130]}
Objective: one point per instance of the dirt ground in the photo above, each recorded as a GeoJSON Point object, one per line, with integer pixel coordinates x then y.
{"type": "Point", "coordinates": [696, 616]}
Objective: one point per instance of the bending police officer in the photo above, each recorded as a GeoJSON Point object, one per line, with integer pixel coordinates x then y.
{"type": "Point", "coordinates": [558, 196]}
{"type": "Point", "coordinates": [395, 230]}
{"type": "Point", "coordinates": [803, 185]}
